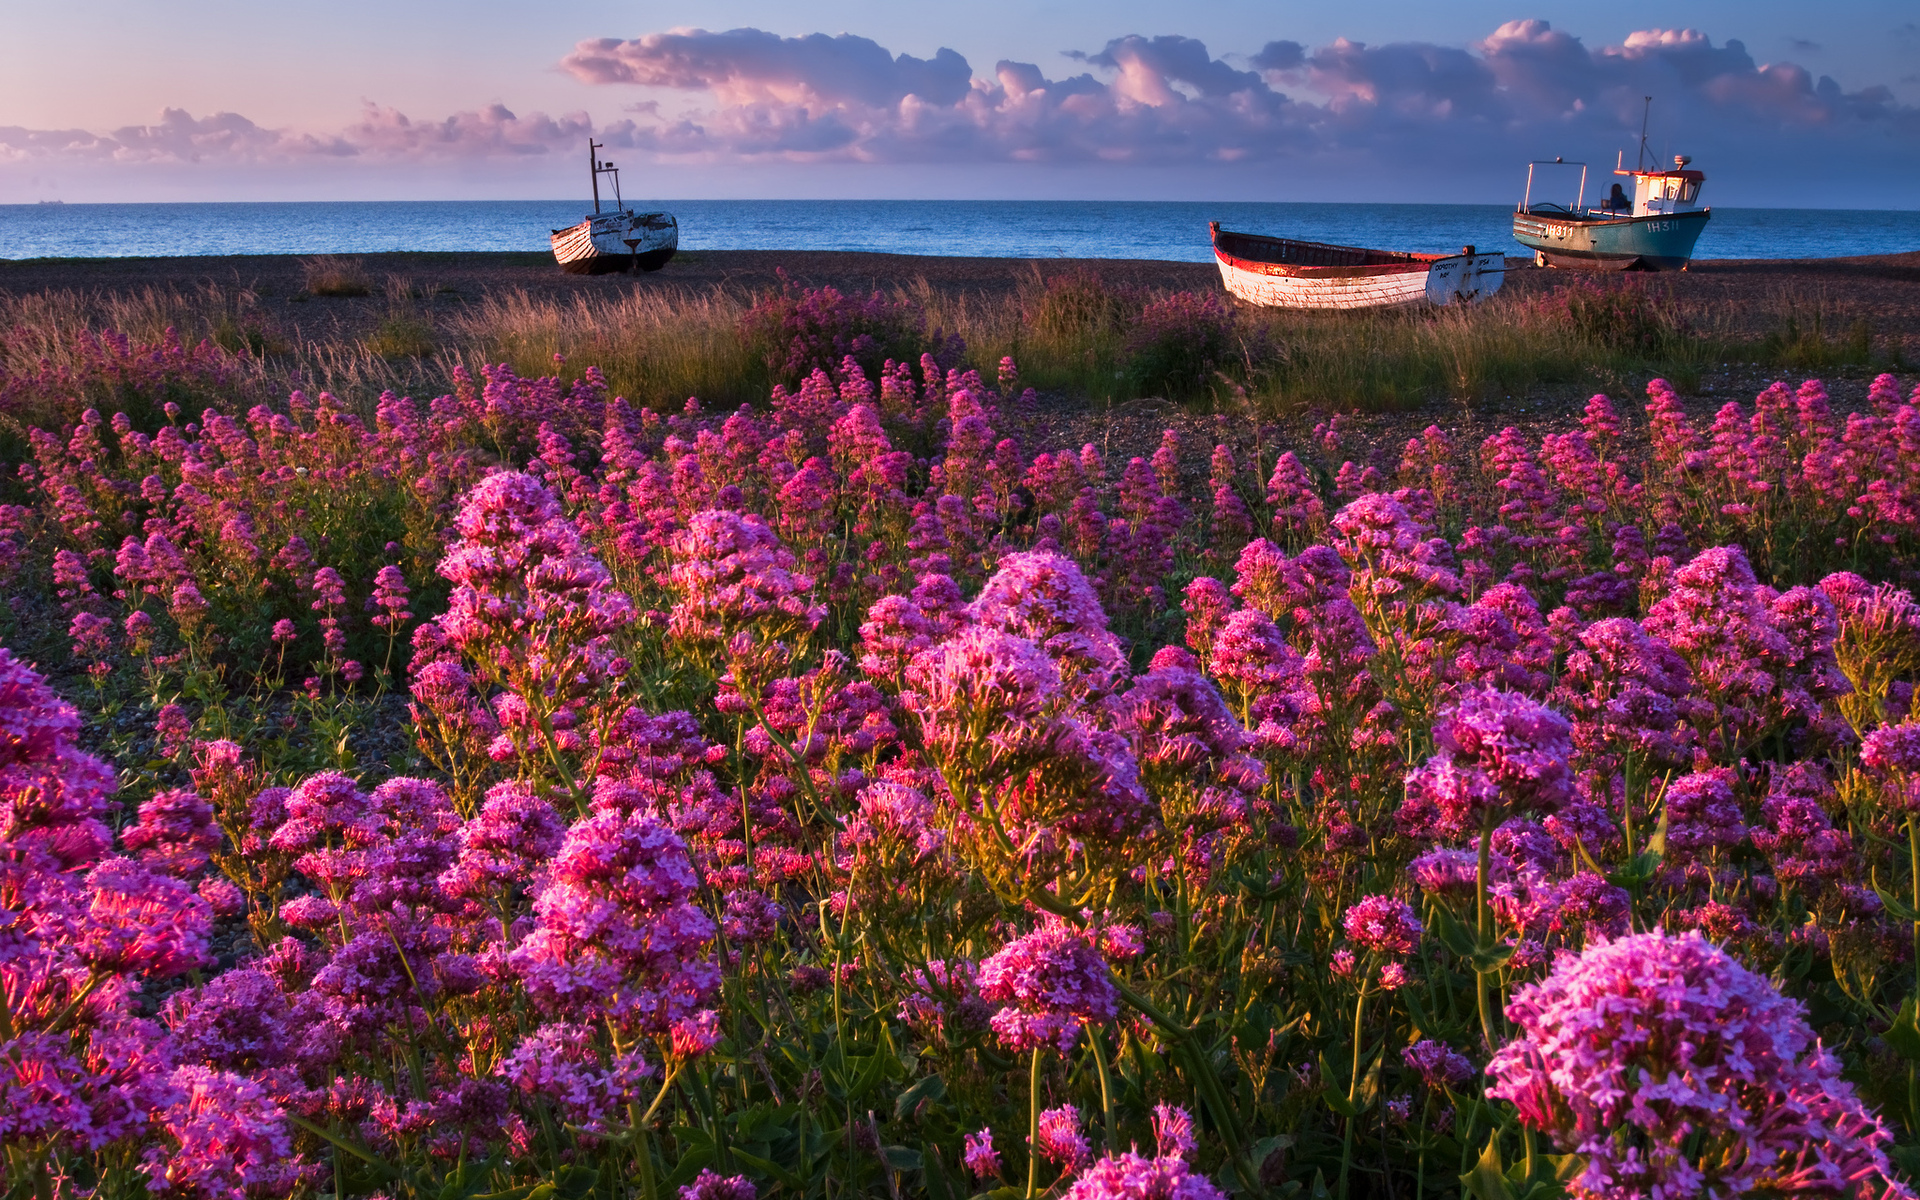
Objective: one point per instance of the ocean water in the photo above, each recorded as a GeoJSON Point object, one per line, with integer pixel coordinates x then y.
{"type": "Point", "coordinates": [1173, 230]}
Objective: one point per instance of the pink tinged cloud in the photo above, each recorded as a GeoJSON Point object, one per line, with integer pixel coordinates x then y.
{"type": "Point", "coordinates": [748, 96]}
{"type": "Point", "coordinates": [381, 134]}
{"type": "Point", "coordinates": [1169, 100]}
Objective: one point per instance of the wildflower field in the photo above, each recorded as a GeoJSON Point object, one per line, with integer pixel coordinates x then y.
{"type": "Point", "coordinates": [529, 795]}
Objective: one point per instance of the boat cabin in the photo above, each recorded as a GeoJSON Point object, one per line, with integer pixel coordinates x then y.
{"type": "Point", "coordinates": [1656, 193]}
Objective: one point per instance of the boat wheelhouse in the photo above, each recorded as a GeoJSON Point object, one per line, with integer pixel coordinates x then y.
{"type": "Point", "coordinates": [622, 240]}
{"type": "Point", "coordinates": [1287, 273]}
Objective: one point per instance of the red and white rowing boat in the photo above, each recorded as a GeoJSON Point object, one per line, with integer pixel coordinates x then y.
{"type": "Point", "coordinates": [1285, 273]}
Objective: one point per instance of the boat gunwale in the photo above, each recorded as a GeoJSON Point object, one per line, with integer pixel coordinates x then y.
{"type": "Point", "coordinates": [1403, 261]}
{"type": "Point", "coordinates": [1566, 217]}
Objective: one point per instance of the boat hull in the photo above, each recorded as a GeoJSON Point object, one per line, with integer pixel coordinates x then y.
{"type": "Point", "coordinates": [1284, 273]}
{"type": "Point", "coordinates": [1663, 242]}
{"type": "Point", "coordinates": [611, 243]}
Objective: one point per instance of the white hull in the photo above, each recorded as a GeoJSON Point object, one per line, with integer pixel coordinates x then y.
{"type": "Point", "coordinates": [1285, 273]}
{"type": "Point", "coordinates": [617, 241]}
{"type": "Point", "coordinates": [1466, 279]}
{"type": "Point", "coordinates": [1382, 290]}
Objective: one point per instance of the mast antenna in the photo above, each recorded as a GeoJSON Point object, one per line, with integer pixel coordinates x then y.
{"type": "Point", "coordinates": [1640, 163]}
{"type": "Point", "coordinates": [593, 159]}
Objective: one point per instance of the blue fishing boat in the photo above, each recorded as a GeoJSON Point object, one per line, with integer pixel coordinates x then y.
{"type": "Point", "coordinates": [1655, 230]}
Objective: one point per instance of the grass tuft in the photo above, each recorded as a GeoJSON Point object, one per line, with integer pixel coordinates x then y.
{"type": "Point", "coordinates": [331, 276]}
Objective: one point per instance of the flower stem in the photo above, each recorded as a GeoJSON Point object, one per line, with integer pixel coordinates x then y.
{"type": "Point", "coordinates": [1483, 927]}
{"type": "Point", "coordinates": [1033, 1126]}
{"type": "Point", "coordinates": [1106, 1091]}
{"type": "Point", "coordinates": [1353, 1089]}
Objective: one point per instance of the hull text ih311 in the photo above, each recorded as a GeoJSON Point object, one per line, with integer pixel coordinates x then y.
{"type": "Point", "coordinates": [622, 240]}
{"type": "Point", "coordinates": [1653, 231]}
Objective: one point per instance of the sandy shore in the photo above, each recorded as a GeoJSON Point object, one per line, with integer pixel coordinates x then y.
{"type": "Point", "coordinates": [1884, 289]}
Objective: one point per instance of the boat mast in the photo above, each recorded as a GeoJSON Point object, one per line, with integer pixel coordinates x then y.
{"type": "Point", "coordinates": [593, 161]}
{"type": "Point", "coordinates": [1640, 163]}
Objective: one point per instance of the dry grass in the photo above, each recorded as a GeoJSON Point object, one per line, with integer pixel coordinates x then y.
{"type": "Point", "coordinates": [331, 276]}
{"type": "Point", "coordinates": [654, 349]}
{"type": "Point", "coordinates": [658, 348]}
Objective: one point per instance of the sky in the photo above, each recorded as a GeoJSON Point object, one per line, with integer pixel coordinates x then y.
{"type": "Point", "coordinates": [1782, 104]}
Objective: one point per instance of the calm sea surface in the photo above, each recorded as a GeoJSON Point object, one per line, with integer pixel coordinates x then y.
{"type": "Point", "coordinates": [1025, 229]}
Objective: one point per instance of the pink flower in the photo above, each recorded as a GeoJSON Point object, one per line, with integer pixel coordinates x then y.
{"type": "Point", "coordinates": [142, 923]}
{"type": "Point", "coordinates": [981, 1158]}
{"type": "Point", "coordinates": [709, 1186]}
{"type": "Point", "coordinates": [1640, 1053]}
{"type": "Point", "coordinates": [229, 1138]}
{"type": "Point", "coordinates": [1173, 1131]}
{"type": "Point", "coordinates": [1051, 982]}
{"type": "Point", "coordinates": [1060, 1140]}
{"type": "Point", "coordinates": [175, 833]}
{"type": "Point", "coordinates": [1384, 925]}
{"type": "Point", "coordinates": [1132, 1176]}
{"type": "Point", "coordinates": [1437, 1063]}
{"type": "Point", "coordinates": [695, 1036]}
{"type": "Point", "coordinates": [616, 929]}
{"type": "Point", "coordinates": [561, 1064]}
{"type": "Point", "coordinates": [1499, 753]}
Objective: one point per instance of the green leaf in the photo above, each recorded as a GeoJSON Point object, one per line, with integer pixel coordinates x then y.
{"type": "Point", "coordinates": [1330, 1093]}
{"type": "Point", "coordinates": [1411, 998]}
{"type": "Point", "coordinates": [466, 1180]}
{"type": "Point", "coordinates": [691, 1137]}
{"type": "Point", "coordinates": [1492, 958]}
{"type": "Point", "coordinates": [1488, 1180]}
{"type": "Point", "coordinates": [871, 1070]}
{"type": "Point", "coordinates": [1453, 935]}
{"type": "Point", "coordinates": [691, 1163]}
{"type": "Point", "coordinates": [930, 1089]}
{"type": "Point", "coordinates": [1370, 1084]}
{"type": "Point", "coordinates": [936, 1170]}
{"type": "Point", "coordinates": [1657, 844]}
{"type": "Point", "coordinates": [767, 1166]}
{"type": "Point", "coordinates": [901, 1158]}
{"type": "Point", "coordinates": [1319, 1189]}
{"type": "Point", "coordinates": [1903, 1036]}
{"type": "Point", "coordinates": [1900, 910]}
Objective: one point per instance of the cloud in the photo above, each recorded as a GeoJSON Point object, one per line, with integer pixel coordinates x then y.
{"type": "Point", "coordinates": [1170, 100]}
{"type": "Point", "coordinates": [1439, 118]}
{"type": "Point", "coordinates": [748, 66]}
{"type": "Point", "coordinates": [381, 134]}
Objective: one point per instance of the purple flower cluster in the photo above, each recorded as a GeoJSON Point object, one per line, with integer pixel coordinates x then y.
{"type": "Point", "coordinates": [1050, 983]}
{"type": "Point", "coordinates": [1670, 1069]}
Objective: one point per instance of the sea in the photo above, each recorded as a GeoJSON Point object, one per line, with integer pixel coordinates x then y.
{"type": "Point", "coordinates": [1165, 230]}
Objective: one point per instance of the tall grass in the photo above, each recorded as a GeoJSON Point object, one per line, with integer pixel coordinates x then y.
{"type": "Point", "coordinates": [653, 348]}
{"type": "Point", "coordinates": [1071, 333]}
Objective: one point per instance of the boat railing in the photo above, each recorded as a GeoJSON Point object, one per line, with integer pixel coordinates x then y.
{"type": "Point", "coordinates": [1579, 199]}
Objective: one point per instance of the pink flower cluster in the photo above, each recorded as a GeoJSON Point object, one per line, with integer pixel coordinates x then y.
{"type": "Point", "coordinates": [1670, 1068]}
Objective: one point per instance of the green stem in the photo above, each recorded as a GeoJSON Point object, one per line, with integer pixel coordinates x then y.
{"type": "Point", "coordinates": [1204, 1081]}
{"type": "Point", "coordinates": [1106, 1091]}
{"type": "Point", "coordinates": [1913, 853]}
{"type": "Point", "coordinates": [1033, 1127]}
{"type": "Point", "coordinates": [1353, 1089]}
{"type": "Point", "coordinates": [1483, 926]}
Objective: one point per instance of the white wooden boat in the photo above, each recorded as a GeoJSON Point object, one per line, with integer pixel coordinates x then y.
{"type": "Point", "coordinates": [1287, 273]}
{"type": "Point", "coordinates": [621, 240]}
